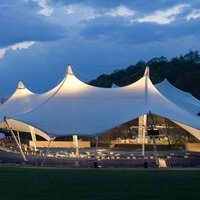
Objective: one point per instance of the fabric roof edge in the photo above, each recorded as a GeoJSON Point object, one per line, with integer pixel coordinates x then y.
{"type": "Point", "coordinates": [168, 83]}
{"type": "Point", "coordinates": [20, 86]}
{"type": "Point", "coordinates": [24, 127]}
{"type": "Point", "coordinates": [69, 70]}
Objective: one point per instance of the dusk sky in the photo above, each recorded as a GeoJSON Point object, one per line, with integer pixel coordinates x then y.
{"type": "Point", "coordinates": [38, 38]}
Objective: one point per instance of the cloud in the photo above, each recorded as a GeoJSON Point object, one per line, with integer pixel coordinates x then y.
{"type": "Point", "coordinates": [78, 15]}
{"type": "Point", "coordinates": [120, 11]}
{"type": "Point", "coordinates": [84, 21]}
{"type": "Point", "coordinates": [20, 22]}
{"type": "Point", "coordinates": [119, 31]}
{"type": "Point", "coordinates": [46, 9]}
{"type": "Point", "coordinates": [81, 12]}
{"type": "Point", "coordinates": [22, 45]}
{"type": "Point", "coordinates": [84, 12]}
{"type": "Point", "coordinates": [17, 46]}
{"type": "Point", "coordinates": [162, 16]}
{"type": "Point", "coordinates": [193, 15]}
{"type": "Point", "coordinates": [94, 36]}
{"type": "Point", "coordinates": [2, 52]}
{"type": "Point", "coordinates": [69, 9]}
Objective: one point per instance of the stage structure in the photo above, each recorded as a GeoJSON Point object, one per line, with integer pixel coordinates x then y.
{"type": "Point", "coordinates": [74, 107]}
{"type": "Point", "coordinates": [86, 110]}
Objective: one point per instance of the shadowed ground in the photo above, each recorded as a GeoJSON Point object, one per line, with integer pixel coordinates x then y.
{"type": "Point", "coordinates": [47, 183]}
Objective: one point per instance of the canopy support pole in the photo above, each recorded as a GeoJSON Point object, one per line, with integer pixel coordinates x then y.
{"type": "Point", "coordinates": [33, 136]}
{"type": "Point", "coordinates": [47, 151]}
{"type": "Point", "coordinates": [18, 144]}
{"type": "Point", "coordinates": [96, 146]}
{"type": "Point", "coordinates": [151, 125]}
{"type": "Point", "coordinates": [143, 143]}
{"type": "Point", "coordinates": [75, 142]}
{"type": "Point", "coordinates": [19, 138]}
{"type": "Point", "coordinates": [155, 150]}
{"type": "Point", "coordinates": [97, 142]}
{"type": "Point", "coordinates": [142, 124]}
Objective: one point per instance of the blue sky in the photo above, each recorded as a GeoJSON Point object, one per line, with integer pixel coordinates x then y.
{"type": "Point", "coordinates": [38, 38]}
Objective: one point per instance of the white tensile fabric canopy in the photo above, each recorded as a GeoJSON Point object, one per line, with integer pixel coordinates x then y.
{"type": "Point", "coordinates": [22, 127]}
{"type": "Point", "coordinates": [179, 97]}
{"type": "Point", "coordinates": [78, 108]}
{"type": "Point", "coordinates": [20, 102]}
{"type": "Point", "coordinates": [23, 101]}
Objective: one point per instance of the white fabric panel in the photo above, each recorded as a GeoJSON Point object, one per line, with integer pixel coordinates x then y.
{"type": "Point", "coordinates": [193, 131]}
{"type": "Point", "coordinates": [20, 102]}
{"type": "Point", "coordinates": [163, 107]}
{"type": "Point", "coordinates": [23, 101]}
{"type": "Point", "coordinates": [179, 97]}
{"type": "Point", "coordinates": [78, 108]}
{"type": "Point", "coordinates": [22, 127]}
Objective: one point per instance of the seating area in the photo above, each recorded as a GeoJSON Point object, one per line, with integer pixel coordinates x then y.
{"type": "Point", "coordinates": [172, 160]}
{"type": "Point", "coordinates": [183, 162]}
{"type": "Point", "coordinates": [128, 163]}
{"type": "Point", "coordinates": [10, 157]}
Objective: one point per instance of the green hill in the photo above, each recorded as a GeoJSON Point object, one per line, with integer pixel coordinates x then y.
{"type": "Point", "coordinates": [183, 72]}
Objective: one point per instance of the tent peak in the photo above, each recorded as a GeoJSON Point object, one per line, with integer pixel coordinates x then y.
{"type": "Point", "coordinates": [146, 72]}
{"type": "Point", "coordinates": [165, 80]}
{"type": "Point", "coordinates": [69, 70]}
{"type": "Point", "coordinates": [114, 85]}
{"type": "Point", "coordinates": [21, 85]}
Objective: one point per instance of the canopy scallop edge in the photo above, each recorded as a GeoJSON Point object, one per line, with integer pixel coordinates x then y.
{"type": "Point", "coordinates": [179, 97]}
{"type": "Point", "coordinates": [79, 108]}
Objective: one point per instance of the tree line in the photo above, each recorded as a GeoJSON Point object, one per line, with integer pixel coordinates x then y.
{"type": "Point", "coordinates": [183, 72]}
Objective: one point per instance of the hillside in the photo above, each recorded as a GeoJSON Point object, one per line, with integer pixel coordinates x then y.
{"type": "Point", "coordinates": [183, 72]}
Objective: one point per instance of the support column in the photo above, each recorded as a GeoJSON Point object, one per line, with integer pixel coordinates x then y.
{"type": "Point", "coordinates": [97, 142]}
{"type": "Point", "coordinates": [32, 130]}
{"type": "Point", "coordinates": [142, 124]}
{"type": "Point", "coordinates": [152, 126]}
{"type": "Point", "coordinates": [75, 142]}
{"type": "Point", "coordinates": [47, 151]}
{"type": "Point", "coordinates": [10, 129]}
{"type": "Point", "coordinates": [19, 138]}
{"type": "Point", "coordinates": [155, 150]}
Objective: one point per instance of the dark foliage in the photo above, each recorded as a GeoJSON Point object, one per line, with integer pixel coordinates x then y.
{"type": "Point", "coordinates": [183, 72]}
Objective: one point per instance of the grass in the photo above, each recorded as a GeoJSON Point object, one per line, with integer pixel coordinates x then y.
{"type": "Point", "coordinates": [96, 184]}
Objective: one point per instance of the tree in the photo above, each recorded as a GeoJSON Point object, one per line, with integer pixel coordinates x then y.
{"type": "Point", "coordinates": [183, 72]}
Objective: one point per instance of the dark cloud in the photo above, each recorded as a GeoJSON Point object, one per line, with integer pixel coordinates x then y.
{"type": "Point", "coordinates": [92, 46]}
{"type": "Point", "coordinates": [121, 31]}
{"type": "Point", "coordinates": [141, 5]}
{"type": "Point", "coordinates": [20, 22]}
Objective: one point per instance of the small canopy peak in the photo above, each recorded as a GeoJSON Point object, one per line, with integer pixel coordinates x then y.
{"type": "Point", "coordinates": [21, 85]}
{"type": "Point", "coordinates": [114, 86]}
{"type": "Point", "coordinates": [146, 72]}
{"type": "Point", "coordinates": [165, 81]}
{"type": "Point", "coordinates": [69, 70]}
